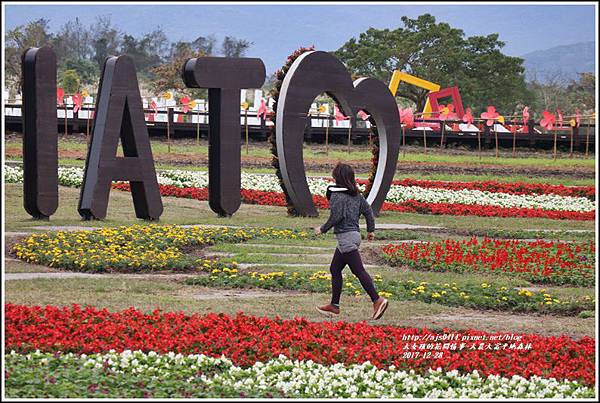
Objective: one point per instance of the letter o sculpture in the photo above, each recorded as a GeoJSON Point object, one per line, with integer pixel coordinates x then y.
{"type": "Point", "coordinates": [311, 74]}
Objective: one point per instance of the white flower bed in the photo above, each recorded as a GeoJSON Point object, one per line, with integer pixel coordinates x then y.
{"type": "Point", "coordinates": [318, 186]}
{"type": "Point", "coordinates": [399, 194]}
{"type": "Point", "coordinates": [309, 379]}
{"type": "Point", "coordinates": [13, 174]}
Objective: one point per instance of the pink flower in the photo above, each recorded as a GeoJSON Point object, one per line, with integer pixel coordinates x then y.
{"type": "Point", "coordinates": [548, 120]}
{"type": "Point", "coordinates": [560, 117]}
{"type": "Point", "coordinates": [447, 113]}
{"type": "Point", "coordinates": [525, 115]}
{"type": "Point", "coordinates": [60, 93]}
{"type": "Point", "coordinates": [262, 109]}
{"type": "Point", "coordinates": [514, 126]}
{"type": "Point", "coordinates": [406, 117]}
{"type": "Point", "coordinates": [339, 116]}
{"type": "Point", "coordinates": [77, 101]}
{"type": "Point", "coordinates": [490, 115]}
{"type": "Point", "coordinates": [468, 117]}
{"type": "Point", "coordinates": [363, 115]}
{"type": "Point", "coordinates": [185, 101]}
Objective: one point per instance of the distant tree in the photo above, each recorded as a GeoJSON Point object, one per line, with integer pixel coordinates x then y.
{"type": "Point", "coordinates": [148, 51]}
{"type": "Point", "coordinates": [73, 41]}
{"type": "Point", "coordinates": [73, 47]}
{"type": "Point", "coordinates": [439, 53]}
{"type": "Point", "coordinates": [87, 70]}
{"type": "Point", "coordinates": [583, 92]}
{"type": "Point", "coordinates": [553, 90]}
{"type": "Point", "coordinates": [168, 75]}
{"type": "Point", "coordinates": [70, 81]}
{"type": "Point", "coordinates": [81, 51]}
{"type": "Point", "coordinates": [106, 40]}
{"type": "Point", "coordinates": [269, 84]}
{"type": "Point", "coordinates": [205, 44]}
{"type": "Point", "coordinates": [232, 47]}
{"type": "Point", "coordinates": [19, 39]}
{"type": "Point", "coordinates": [156, 43]}
{"type": "Point", "coordinates": [492, 78]}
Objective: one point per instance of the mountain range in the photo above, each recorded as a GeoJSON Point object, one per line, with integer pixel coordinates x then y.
{"type": "Point", "coordinates": [560, 62]}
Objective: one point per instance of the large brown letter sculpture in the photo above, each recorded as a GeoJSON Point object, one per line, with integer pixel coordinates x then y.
{"type": "Point", "coordinates": [224, 78]}
{"type": "Point", "coordinates": [40, 132]}
{"type": "Point", "coordinates": [119, 113]}
{"type": "Point", "coordinates": [310, 75]}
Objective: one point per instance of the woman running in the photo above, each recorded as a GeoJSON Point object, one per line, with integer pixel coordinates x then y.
{"type": "Point", "coordinates": [347, 204]}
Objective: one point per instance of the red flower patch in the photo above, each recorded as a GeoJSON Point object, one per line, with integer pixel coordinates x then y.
{"type": "Point", "coordinates": [409, 206]}
{"type": "Point", "coordinates": [248, 339]}
{"type": "Point", "coordinates": [539, 261]}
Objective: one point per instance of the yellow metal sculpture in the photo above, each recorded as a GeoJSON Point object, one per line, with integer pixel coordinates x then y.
{"type": "Point", "coordinates": [399, 76]}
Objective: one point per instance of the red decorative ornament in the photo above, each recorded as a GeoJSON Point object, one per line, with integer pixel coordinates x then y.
{"type": "Point", "coordinates": [77, 102]}
{"type": "Point", "coordinates": [513, 126]}
{"type": "Point", "coordinates": [363, 115]}
{"type": "Point", "coordinates": [468, 117]}
{"type": "Point", "coordinates": [490, 115]}
{"type": "Point", "coordinates": [560, 117]}
{"type": "Point", "coordinates": [407, 117]}
{"type": "Point", "coordinates": [185, 101]}
{"type": "Point", "coordinates": [525, 115]}
{"type": "Point", "coordinates": [548, 120]}
{"type": "Point", "coordinates": [339, 116]}
{"type": "Point", "coordinates": [60, 94]}
{"type": "Point", "coordinates": [262, 109]}
{"type": "Point", "coordinates": [448, 113]}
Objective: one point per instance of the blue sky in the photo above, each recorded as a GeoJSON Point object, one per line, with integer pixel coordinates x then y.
{"type": "Point", "coordinates": [277, 30]}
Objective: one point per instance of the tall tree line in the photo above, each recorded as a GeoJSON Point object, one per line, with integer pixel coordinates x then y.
{"type": "Point", "coordinates": [442, 54]}
{"type": "Point", "coordinates": [82, 49]}
{"type": "Point", "coordinates": [421, 46]}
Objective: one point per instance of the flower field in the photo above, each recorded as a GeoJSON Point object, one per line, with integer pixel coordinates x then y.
{"type": "Point", "coordinates": [135, 248]}
{"type": "Point", "coordinates": [477, 296]}
{"type": "Point", "coordinates": [179, 354]}
{"type": "Point", "coordinates": [167, 247]}
{"type": "Point", "coordinates": [540, 261]}
{"type": "Point", "coordinates": [428, 197]}
{"type": "Point", "coordinates": [141, 375]}
{"type": "Point", "coordinates": [484, 317]}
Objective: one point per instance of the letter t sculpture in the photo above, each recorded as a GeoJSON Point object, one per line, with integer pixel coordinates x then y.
{"type": "Point", "coordinates": [224, 77]}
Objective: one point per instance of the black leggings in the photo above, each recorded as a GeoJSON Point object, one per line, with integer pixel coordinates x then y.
{"type": "Point", "coordinates": [352, 259]}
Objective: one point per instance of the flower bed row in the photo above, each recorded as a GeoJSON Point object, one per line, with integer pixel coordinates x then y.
{"type": "Point", "coordinates": [430, 192]}
{"type": "Point", "coordinates": [434, 197]}
{"type": "Point", "coordinates": [413, 206]}
{"type": "Point", "coordinates": [540, 261]}
{"type": "Point", "coordinates": [135, 374]}
{"type": "Point", "coordinates": [517, 188]}
{"type": "Point", "coordinates": [246, 340]}
{"type": "Point", "coordinates": [136, 247]}
{"type": "Point", "coordinates": [410, 206]}
{"type": "Point", "coordinates": [476, 296]}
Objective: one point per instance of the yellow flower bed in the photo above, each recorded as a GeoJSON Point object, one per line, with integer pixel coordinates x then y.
{"type": "Point", "coordinates": [136, 247]}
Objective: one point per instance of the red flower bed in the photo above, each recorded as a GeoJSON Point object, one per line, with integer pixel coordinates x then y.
{"type": "Point", "coordinates": [518, 188]}
{"type": "Point", "coordinates": [539, 261]}
{"type": "Point", "coordinates": [414, 206]}
{"type": "Point", "coordinates": [409, 206]}
{"type": "Point", "coordinates": [248, 196]}
{"type": "Point", "coordinates": [247, 339]}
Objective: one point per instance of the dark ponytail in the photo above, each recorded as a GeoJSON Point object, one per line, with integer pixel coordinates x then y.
{"type": "Point", "coordinates": [344, 177]}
